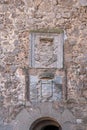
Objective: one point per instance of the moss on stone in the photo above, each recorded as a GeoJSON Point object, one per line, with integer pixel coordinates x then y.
{"type": "Point", "coordinates": [46, 30]}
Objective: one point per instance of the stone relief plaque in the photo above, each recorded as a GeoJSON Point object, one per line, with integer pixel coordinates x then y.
{"type": "Point", "coordinates": [42, 90]}
{"type": "Point", "coordinates": [44, 53]}
{"type": "Point", "coordinates": [46, 50]}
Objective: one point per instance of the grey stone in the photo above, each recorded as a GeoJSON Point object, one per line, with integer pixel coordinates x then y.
{"type": "Point", "coordinates": [68, 126]}
{"type": "Point", "coordinates": [83, 2]}
{"type": "Point", "coordinates": [67, 116]}
{"type": "Point", "coordinates": [2, 127]}
{"type": "Point", "coordinates": [34, 79]}
{"type": "Point", "coordinates": [6, 127]}
{"type": "Point", "coordinates": [16, 51]}
{"type": "Point", "coordinates": [58, 80]}
{"type": "Point", "coordinates": [1, 26]}
{"type": "Point", "coordinates": [1, 98]}
{"type": "Point", "coordinates": [1, 50]}
{"type": "Point", "coordinates": [16, 42]}
{"type": "Point", "coordinates": [84, 120]}
{"type": "Point", "coordinates": [1, 121]}
{"type": "Point", "coordinates": [42, 90]}
{"type": "Point", "coordinates": [1, 68]}
{"type": "Point", "coordinates": [13, 68]}
{"type": "Point", "coordinates": [46, 50]}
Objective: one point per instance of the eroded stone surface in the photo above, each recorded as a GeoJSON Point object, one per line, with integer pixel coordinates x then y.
{"type": "Point", "coordinates": [17, 17]}
{"type": "Point", "coordinates": [42, 90]}
{"type": "Point", "coordinates": [46, 49]}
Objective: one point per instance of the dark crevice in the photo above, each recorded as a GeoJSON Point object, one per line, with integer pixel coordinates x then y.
{"type": "Point", "coordinates": [50, 127]}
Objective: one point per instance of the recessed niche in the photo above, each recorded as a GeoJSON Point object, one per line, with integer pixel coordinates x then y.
{"type": "Point", "coordinates": [46, 40]}
{"type": "Point", "coordinates": [46, 50]}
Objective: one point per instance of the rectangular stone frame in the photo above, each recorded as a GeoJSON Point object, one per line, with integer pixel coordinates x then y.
{"type": "Point", "coordinates": [58, 40]}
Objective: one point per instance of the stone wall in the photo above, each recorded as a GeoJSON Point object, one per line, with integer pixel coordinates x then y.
{"type": "Point", "coordinates": [17, 18]}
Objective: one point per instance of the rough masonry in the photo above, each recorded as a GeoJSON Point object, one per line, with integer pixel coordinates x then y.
{"type": "Point", "coordinates": [17, 19]}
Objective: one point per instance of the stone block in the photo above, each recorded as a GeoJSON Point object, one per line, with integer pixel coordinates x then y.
{"type": "Point", "coordinates": [58, 80]}
{"type": "Point", "coordinates": [46, 49]}
{"type": "Point", "coordinates": [83, 2]}
{"type": "Point", "coordinates": [45, 89]}
{"type": "Point", "coordinates": [1, 121]}
{"type": "Point", "coordinates": [6, 127]}
{"type": "Point", "coordinates": [70, 117]}
{"type": "Point", "coordinates": [68, 126]}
